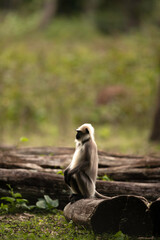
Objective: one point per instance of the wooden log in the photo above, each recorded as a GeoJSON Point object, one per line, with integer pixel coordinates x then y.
{"type": "Point", "coordinates": [34, 184]}
{"type": "Point", "coordinates": [131, 174]}
{"type": "Point", "coordinates": [117, 167]}
{"type": "Point", "coordinates": [105, 159]}
{"type": "Point", "coordinates": [150, 191]}
{"type": "Point", "coordinates": [125, 213]}
{"type": "Point", "coordinates": [38, 150]}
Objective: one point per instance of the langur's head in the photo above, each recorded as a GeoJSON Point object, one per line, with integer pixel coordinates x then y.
{"type": "Point", "coordinates": [85, 132]}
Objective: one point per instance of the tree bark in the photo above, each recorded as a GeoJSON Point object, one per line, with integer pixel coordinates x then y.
{"type": "Point", "coordinates": [126, 213]}
{"type": "Point", "coordinates": [50, 9]}
{"type": "Point", "coordinates": [155, 133]}
{"type": "Point", "coordinates": [90, 7]}
{"type": "Point", "coordinates": [133, 12]}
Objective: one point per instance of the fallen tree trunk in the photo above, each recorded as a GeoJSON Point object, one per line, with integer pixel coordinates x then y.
{"type": "Point", "coordinates": [34, 184]}
{"type": "Point", "coordinates": [131, 174]}
{"type": "Point", "coordinates": [117, 167]}
{"type": "Point", "coordinates": [126, 213]}
{"type": "Point", "coordinates": [150, 191]}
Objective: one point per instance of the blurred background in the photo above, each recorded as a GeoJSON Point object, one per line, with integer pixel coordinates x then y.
{"type": "Point", "coordinates": [67, 62]}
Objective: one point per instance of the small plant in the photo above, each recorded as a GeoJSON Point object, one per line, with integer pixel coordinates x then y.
{"type": "Point", "coordinates": [105, 178]}
{"type": "Point", "coordinates": [14, 203]}
{"type": "Point", "coordinates": [60, 172]}
{"type": "Point", "coordinates": [120, 236]}
{"type": "Point", "coordinates": [23, 139]}
{"type": "Point", "coordinates": [47, 204]}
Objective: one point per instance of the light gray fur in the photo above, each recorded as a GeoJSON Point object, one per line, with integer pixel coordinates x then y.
{"type": "Point", "coordinates": [83, 168]}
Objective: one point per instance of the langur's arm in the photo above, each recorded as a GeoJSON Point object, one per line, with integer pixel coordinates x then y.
{"type": "Point", "coordinates": [75, 170]}
{"type": "Point", "coordinates": [82, 165]}
{"type": "Point", "coordinates": [66, 174]}
{"type": "Point", "coordinates": [79, 168]}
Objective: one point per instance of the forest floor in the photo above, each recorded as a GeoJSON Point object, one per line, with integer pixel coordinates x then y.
{"type": "Point", "coordinates": [28, 226]}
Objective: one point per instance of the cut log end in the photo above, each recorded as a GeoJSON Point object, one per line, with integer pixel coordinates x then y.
{"type": "Point", "coordinates": [155, 215]}
{"type": "Point", "coordinates": [126, 213]}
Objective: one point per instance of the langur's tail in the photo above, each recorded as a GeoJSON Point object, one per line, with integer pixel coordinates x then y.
{"type": "Point", "coordinates": [98, 195]}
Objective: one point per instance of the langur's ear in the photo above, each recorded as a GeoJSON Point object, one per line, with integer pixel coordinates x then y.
{"type": "Point", "coordinates": [77, 130]}
{"type": "Point", "coordinates": [87, 130]}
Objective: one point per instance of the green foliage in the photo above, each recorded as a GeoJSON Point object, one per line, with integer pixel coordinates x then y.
{"type": "Point", "coordinates": [105, 178]}
{"type": "Point", "coordinates": [60, 172]}
{"type": "Point", "coordinates": [104, 131]}
{"type": "Point", "coordinates": [47, 204]}
{"type": "Point", "coordinates": [23, 139]}
{"type": "Point", "coordinates": [15, 203]}
{"type": "Point", "coordinates": [120, 236]}
{"type": "Point", "coordinates": [50, 81]}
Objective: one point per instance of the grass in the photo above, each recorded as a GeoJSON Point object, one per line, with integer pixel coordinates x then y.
{"type": "Point", "coordinates": [38, 226]}
{"type": "Point", "coordinates": [41, 221]}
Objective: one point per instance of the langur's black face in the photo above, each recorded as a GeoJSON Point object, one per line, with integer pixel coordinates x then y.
{"type": "Point", "coordinates": [81, 134]}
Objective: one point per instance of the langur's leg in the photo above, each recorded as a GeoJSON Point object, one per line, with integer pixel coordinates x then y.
{"type": "Point", "coordinates": [85, 184]}
{"type": "Point", "coordinates": [76, 195]}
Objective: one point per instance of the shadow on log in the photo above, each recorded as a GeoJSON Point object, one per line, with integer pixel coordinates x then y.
{"type": "Point", "coordinates": [155, 214]}
{"type": "Point", "coordinates": [126, 213]}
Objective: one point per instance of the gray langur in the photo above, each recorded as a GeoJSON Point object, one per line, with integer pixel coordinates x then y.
{"type": "Point", "coordinates": [81, 174]}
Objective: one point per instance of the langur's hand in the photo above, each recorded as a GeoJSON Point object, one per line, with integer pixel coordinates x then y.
{"type": "Point", "coordinates": [67, 177]}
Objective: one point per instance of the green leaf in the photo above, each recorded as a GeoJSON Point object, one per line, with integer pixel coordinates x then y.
{"type": "Point", "coordinates": [21, 200]}
{"type": "Point", "coordinates": [50, 202]}
{"type": "Point", "coordinates": [55, 203]}
{"type": "Point", "coordinates": [60, 172]}
{"type": "Point", "coordinates": [24, 205]}
{"type": "Point", "coordinates": [120, 236]}
{"type": "Point", "coordinates": [48, 199]}
{"type": "Point", "coordinates": [4, 207]}
{"type": "Point", "coordinates": [41, 204]}
{"type": "Point", "coordinates": [16, 195]}
{"type": "Point", "coordinates": [23, 139]}
{"type": "Point", "coordinates": [106, 178]}
{"type": "Point", "coordinates": [8, 199]}
{"type": "Point", "coordinates": [31, 207]}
